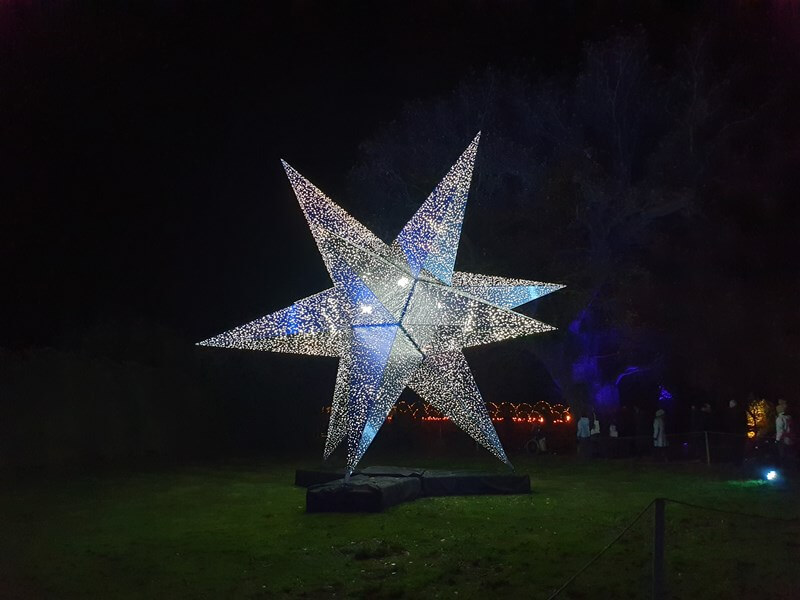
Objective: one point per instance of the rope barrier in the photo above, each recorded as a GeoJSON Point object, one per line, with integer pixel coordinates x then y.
{"type": "Point", "coordinates": [639, 516]}
{"type": "Point", "coordinates": [603, 551]}
{"type": "Point", "coordinates": [686, 435]}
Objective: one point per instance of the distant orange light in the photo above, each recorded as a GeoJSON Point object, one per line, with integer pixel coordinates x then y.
{"type": "Point", "coordinates": [751, 434]}
{"type": "Point", "coordinates": [568, 418]}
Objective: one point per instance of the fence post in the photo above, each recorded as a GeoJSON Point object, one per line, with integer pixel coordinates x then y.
{"type": "Point", "coordinates": [708, 451]}
{"type": "Point", "coordinates": [658, 550]}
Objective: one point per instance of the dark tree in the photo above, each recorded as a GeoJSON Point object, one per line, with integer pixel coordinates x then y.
{"type": "Point", "coordinates": [593, 180]}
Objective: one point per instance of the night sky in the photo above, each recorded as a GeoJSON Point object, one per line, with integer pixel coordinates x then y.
{"type": "Point", "coordinates": [140, 145]}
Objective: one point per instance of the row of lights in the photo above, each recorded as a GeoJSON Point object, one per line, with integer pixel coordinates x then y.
{"type": "Point", "coordinates": [521, 412]}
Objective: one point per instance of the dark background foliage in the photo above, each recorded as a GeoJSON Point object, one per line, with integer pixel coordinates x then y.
{"type": "Point", "coordinates": [644, 153]}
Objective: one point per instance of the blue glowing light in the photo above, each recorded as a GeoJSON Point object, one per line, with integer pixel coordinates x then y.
{"type": "Point", "coordinates": [629, 371]}
{"type": "Point", "coordinates": [663, 394]}
{"type": "Point", "coordinates": [607, 395]}
{"type": "Point", "coordinates": [771, 475]}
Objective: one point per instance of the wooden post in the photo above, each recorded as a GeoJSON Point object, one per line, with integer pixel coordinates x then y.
{"type": "Point", "coordinates": [658, 550]}
{"type": "Point", "coordinates": [708, 451]}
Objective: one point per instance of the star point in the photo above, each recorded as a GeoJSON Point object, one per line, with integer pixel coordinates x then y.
{"type": "Point", "coordinates": [397, 315]}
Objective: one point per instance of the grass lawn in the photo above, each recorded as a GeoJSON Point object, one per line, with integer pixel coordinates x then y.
{"type": "Point", "coordinates": [240, 530]}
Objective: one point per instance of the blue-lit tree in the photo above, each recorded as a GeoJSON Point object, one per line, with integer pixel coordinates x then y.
{"type": "Point", "coordinates": [579, 178]}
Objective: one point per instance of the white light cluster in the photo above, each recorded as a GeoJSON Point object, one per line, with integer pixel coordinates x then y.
{"type": "Point", "coordinates": [397, 315]}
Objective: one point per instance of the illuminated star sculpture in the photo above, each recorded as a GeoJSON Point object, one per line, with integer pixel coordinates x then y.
{"type": "Point", "coordinates": [397, 315]}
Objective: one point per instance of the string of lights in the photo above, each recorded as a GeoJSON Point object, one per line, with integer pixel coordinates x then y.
{"type": "Point", "coordinates": [519, 412]}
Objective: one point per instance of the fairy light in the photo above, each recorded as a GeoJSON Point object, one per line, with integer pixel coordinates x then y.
{"type": "Point", "coordinates": [397, 316]}
{"type": "Point", "coordinates": [521, 412]}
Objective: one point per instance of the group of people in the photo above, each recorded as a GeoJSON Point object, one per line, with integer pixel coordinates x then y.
{"type": "Point", "coordinates": [590, 439]}
{"type": "Point", "coordinates": [732, 433]}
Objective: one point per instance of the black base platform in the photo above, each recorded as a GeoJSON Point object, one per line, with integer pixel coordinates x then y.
{"type": "Point", "coordinates": [362, 494]}
{"type": "Point", "coordinates": [375, 488]}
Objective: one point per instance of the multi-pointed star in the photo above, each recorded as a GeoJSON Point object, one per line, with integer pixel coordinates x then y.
{"type": "Point", "coordinates": [397, 315]}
